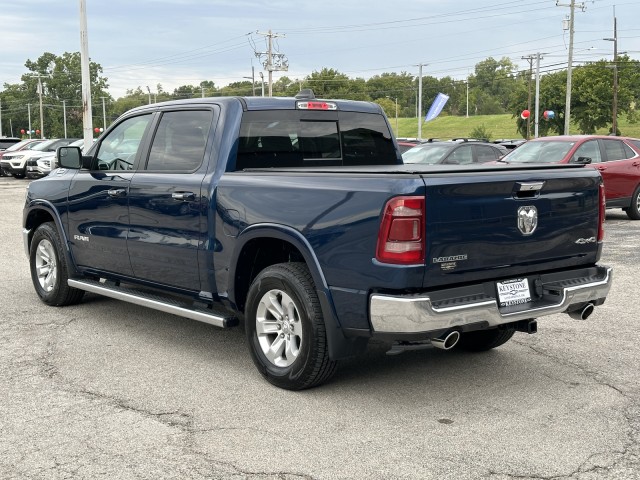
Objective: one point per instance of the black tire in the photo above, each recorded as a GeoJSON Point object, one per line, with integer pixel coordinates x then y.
{"type": "Point", "coordinates": [296, 340]}
{"type": "Point", "coordinates": [633, 210]}
{"type": "Point", "coordinates": [49, 269]}
{"type": "Point", "coordinates": [483, 340]}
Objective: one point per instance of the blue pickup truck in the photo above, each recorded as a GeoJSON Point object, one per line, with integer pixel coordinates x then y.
{"type": "Point", "coordinates": [297, 218]}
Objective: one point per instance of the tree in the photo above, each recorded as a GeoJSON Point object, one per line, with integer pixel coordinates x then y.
{"type": "Point", "coordinates": [61, 82]}
{"type": "Point", "coordinates": [491, 85]}
{"type": "Point", "coordinates": [392, 86]}
{"type": "Point", "coordinates": [328, 83]}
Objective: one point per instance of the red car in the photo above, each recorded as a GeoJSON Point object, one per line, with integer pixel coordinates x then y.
{"type": "Point", "coordinates": [617, 159]}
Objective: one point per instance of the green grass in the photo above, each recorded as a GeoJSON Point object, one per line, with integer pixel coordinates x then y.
{"type": "Point", "coordinates": [497, 126]}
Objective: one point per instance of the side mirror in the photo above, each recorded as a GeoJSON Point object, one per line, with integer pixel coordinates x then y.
{"type": "Point", "coordinates": [583, 160]}
{"type": "Point", "coordinates": [69, 157]}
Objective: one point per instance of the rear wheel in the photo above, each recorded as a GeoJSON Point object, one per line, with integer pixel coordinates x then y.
{"type": "Point", "coordinates": [483, 340]}
{"type": "Point", "coordinates": [633, 211]}
{"type": "Point", "coordinates": [285, 328]}
{"type": "Point", "coordinates": [49, 270]}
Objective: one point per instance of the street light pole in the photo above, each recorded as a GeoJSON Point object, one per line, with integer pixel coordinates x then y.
{"type": "Point", "coordinates": [396, 100]}
{"type": "Point", "coordinates": [420, 65]}
{"type": "Point", "coordinates": [253, 80]}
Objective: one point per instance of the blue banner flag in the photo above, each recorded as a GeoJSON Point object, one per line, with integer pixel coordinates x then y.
{"type": "Point", "coordinates": [436, 107]}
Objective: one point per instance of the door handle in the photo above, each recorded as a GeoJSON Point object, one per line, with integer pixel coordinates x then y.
{"type": "Point", "coordinates": [117, 192]}
{"type": "Point", "coordinates": [601, 168]}
{"type": "Point", "coordinates": [183, 196]}
{"type": "Point", "coordinates": [636, 164]}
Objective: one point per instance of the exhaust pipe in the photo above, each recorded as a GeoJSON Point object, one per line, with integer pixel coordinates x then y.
{"type": "Point", "coordinates": [583, 313]}
{"type": "Point", "coordinates": [446, 341]}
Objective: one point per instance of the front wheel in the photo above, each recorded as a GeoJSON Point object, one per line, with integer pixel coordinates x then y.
{"type": "Point", "coordinates": [633, 211]}
{"type": "Point", "coordinates": [483, 340]}
{"type": "Point", "coordinates": [49, 270]}
{"type": "Point", "coordinates": [285, 328]}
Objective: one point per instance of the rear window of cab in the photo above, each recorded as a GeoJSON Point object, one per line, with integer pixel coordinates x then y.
{"type": "Point", "coordinates": [298, 138]}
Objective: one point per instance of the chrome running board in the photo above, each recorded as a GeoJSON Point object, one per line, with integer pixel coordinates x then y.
{"type": "Point", "coordinates": [218, 318]}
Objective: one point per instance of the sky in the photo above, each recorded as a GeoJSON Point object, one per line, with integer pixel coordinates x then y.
{"type": "Point", "coordinates": [143, 43]}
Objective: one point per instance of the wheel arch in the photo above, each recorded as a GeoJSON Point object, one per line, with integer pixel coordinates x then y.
{"type": "Point", "coordinates": [260, 246]}
{"type": "Point", "coordinates": [40, 212]}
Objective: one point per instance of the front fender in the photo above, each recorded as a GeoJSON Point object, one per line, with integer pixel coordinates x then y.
{"type": "Point", "coordinates": [38, 212]}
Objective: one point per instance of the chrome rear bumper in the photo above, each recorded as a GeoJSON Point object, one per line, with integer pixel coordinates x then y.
{"type": "Point", "coordinates": [557, 293]}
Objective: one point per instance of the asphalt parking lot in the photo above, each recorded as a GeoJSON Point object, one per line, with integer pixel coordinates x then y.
{"type": "Point", "coordinates": [111, 390]}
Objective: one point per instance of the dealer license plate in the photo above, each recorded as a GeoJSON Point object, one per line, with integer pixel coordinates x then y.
{"type": "Point", "coordinates": [513, 292]}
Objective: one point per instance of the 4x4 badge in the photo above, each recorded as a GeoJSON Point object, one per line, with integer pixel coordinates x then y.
{"type": "Point", "coordinates": [527, 219]}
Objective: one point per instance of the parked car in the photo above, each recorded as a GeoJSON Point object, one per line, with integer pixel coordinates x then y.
{"type": "Point", "coordinates": [510, 144]}
{"type": "Point", "coordinates": [454, 152]}
{"type": "Point", "coordinates": [405, 143]}
{"type": "Point", "coordinates": [42, 166]}
{"type": "Point", "coordinates": [6, 142]}
{"type": "Point", "coordinates": [27, 144]}
{"type": "Point", "coordinates": [16, 163]}
{"type": "Point", "coordinates": [617, 159]}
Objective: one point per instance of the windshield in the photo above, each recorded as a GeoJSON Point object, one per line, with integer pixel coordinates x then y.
{"type": "Point", "coordinates": [540, 152]}
{"type": "Point", "coordinates": [43, 147]}
{"type": "Point", "coordinates": [18, 146]}
{"type": "Point", "coordinates": [429, 154]}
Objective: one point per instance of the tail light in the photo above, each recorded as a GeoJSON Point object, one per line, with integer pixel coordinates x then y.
{"type": "Point", "coordinates": [401, 239]}
{"type": "Point", "coordinates": [601, 215]}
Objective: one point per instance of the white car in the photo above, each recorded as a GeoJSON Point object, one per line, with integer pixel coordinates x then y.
{"type": "Point", "coordinates": [16, 163]}
{"type": "Point", "coordinates": [47, 162]}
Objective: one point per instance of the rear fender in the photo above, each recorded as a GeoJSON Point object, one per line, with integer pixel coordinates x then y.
{"type": "Point", "coordinates": [339, 345]}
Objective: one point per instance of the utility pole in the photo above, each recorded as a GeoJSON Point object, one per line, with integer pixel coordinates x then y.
{"type": "Point", "coordinates": [567, 106]}
{"type": "Point", "coordinates": [149, 90]}
{"type": "Point", "coordinates": [275, 61]}
{"type": "Point", "coordinates": [64, 116]}
{"type": "Point", "coordinates": [41, 115]}
{"type": "Point", "coordinates": [87, 119]}
{"type": "Point", "coordinates": [529, 58]}
{"type": "Point", "coordinates": [29, 113]}
{"type": "Point", "coordinates": [262, 82]}
{"type": "Point", "coordinates": [1, 117]}
{"type": "Point", "coordinates": [104, 114]}
{"type": "Point", "coordinates": [614, 106]}
{"type": "Point", "coordinates": [537, 115]}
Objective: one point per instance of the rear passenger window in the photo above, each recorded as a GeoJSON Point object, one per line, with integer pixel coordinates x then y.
{"type": "Point", "coordinates": [617, 150]}
{"type": "Point", "coordinates": [588, 149]}
{"type": "Point", "coordinates": [180, 141]}
{"type": "Point", "coordinates": [486, 153]}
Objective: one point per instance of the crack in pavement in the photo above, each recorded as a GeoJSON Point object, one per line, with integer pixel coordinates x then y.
{"type": "Point", "coordinates": [633, 431]}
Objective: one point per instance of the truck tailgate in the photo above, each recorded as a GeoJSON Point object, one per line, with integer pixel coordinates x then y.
{"type": "Point", "coordinates": [485, 226]}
